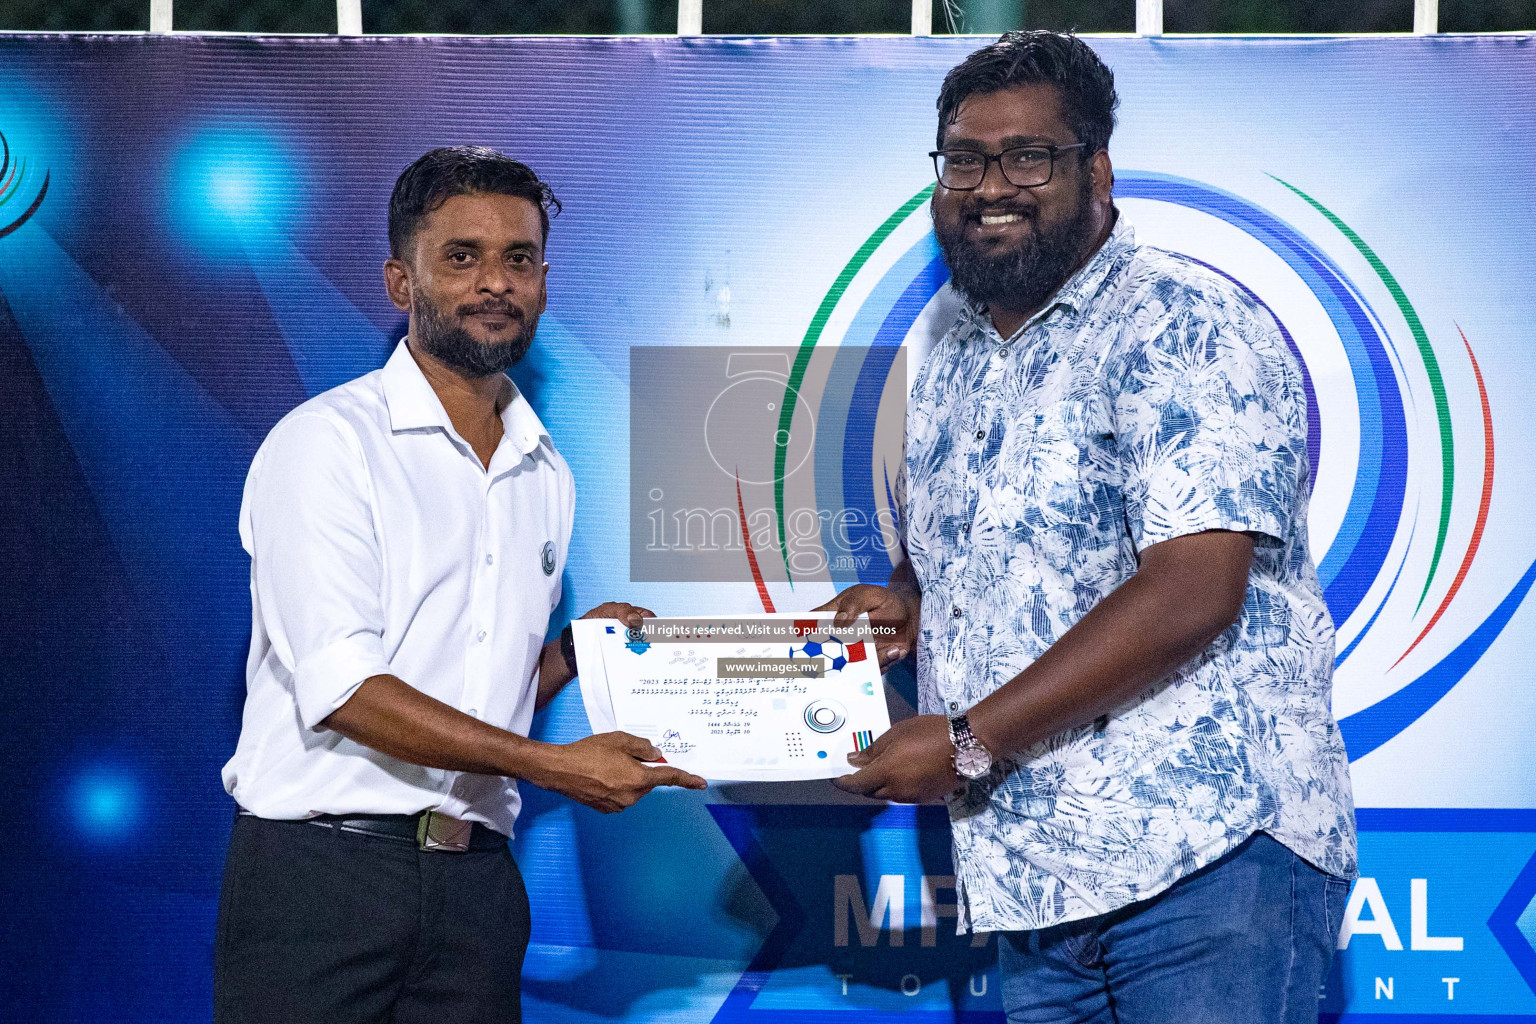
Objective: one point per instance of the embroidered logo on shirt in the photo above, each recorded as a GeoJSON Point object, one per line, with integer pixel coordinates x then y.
{"type": "Point", "coordinates": [547, 557]}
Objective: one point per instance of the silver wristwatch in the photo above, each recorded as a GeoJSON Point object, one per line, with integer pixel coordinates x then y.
{"type": "Point", "coordinates": [972, 760]}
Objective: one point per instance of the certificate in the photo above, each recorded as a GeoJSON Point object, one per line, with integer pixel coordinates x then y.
{"type": "Point", "coordinates": [766, 698]}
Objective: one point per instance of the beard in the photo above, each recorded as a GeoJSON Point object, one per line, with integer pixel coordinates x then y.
{"type": "Point", "coordinates": [442, 337]}
{"type": "Point", "coordinates": [1023, 277]}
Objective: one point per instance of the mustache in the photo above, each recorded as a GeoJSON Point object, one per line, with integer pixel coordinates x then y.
{"type": "Point", "coordinates": [491, 306]}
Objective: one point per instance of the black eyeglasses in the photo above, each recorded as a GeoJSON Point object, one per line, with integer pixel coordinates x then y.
{"type": "Point", "coordinates": [960, 170]}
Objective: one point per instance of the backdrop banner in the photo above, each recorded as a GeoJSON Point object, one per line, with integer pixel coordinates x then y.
{"type": "Point", "coordinates": [191, 233]}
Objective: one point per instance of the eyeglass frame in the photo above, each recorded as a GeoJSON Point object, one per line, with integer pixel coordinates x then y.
{"type": "Point", "coordinates": [998, 157]}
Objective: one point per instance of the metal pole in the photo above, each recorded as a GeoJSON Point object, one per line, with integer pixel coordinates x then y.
{"type": "Point", "coordinates": [690, 17]}
{"type": "Point", "coordinates": [922, 17]}
{"type": "Point", "coordinates": [349, 17]}
{"type": "Point", "coordinates": [1426, 17]}
{"type": "Point", "coordinates": [159, 15]}
{"type": "Point", "coordinates": [1149, 17]}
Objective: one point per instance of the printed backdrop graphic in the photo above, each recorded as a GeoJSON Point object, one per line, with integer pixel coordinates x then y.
{"type": "Point", "coordinates": [191, 233]}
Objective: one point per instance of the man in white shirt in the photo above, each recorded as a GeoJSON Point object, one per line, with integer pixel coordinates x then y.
{"type": "Point", "coordinates": [407, 534]}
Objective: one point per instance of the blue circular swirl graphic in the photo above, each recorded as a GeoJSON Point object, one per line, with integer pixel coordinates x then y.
{"type": "Point", "coordinates": [1356, 558]}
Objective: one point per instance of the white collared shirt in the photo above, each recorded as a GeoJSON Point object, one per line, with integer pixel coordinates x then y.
{"type": "Point", "coordinates": [379, 545]}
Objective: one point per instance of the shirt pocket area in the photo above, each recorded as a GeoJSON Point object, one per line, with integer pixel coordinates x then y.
{"type": "Point", "coordinates": [1039, 469]}
{"type": "Point", "coordinates": [1060, 432]}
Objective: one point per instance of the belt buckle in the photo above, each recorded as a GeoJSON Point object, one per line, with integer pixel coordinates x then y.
{"type": "Point", "coordinates": [443, 834]}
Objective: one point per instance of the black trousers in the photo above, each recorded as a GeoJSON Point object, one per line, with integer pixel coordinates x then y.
{"type": "Point", "coordinates": [324, 926]}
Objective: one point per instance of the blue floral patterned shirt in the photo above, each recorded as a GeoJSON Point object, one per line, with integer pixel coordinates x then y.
{"type": "Point", "coordinates": [1149, 400]}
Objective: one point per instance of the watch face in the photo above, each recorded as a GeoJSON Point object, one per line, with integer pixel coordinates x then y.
{"type": "Point", "coordinates": [973, 762]}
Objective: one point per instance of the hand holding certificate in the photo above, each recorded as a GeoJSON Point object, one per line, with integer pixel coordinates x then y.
{"type": "Point", "coordinates": [768, 698]}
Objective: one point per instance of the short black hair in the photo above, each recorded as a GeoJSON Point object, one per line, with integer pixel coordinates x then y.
{"type": "Point", "coordinates": [1086, 86]}
{"type": "Point", "coordinates": [441, 174]}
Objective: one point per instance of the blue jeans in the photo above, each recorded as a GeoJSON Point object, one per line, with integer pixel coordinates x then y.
{"type": "Point", "coordinates": [1245, 940]}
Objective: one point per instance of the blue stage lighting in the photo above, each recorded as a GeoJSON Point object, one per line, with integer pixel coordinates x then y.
{"type": "Point", "coordinates": [230, 188]}
{"type": "Point", "coordinates": [106, 804]}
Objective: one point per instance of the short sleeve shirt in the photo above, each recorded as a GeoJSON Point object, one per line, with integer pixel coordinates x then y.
{"type": "Point", "coordinates": [1151, 399]}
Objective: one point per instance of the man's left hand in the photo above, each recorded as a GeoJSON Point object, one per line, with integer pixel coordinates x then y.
{"type": "Point", "coordinates": [627, 613]}
{"type": "Point", "coordinates": [555, 671]}
{"type": "Point", "coordinates": [913, 763]}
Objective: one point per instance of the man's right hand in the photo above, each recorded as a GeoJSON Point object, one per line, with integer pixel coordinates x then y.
{"type": "Point", "coordinates": [606, 772]}
{"type": "Point", "coordinates": [897, 607]}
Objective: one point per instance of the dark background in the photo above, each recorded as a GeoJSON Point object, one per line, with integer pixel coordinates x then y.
{"type": "Point", "coordinates": [764, 17]}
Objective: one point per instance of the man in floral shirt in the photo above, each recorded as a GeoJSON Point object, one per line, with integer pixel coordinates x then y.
{"type": "Point", "coordinates": [1124, 656]}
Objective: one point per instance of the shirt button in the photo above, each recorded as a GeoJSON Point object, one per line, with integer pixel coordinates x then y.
{"type": "Point", "coordinates": [1003, 351]}
{"type": "Point", "coordinates": [965, 527]}
{"type": "Point", "coordinates": [480, 636]}
{"type": "Point", "coordinates": [955, 612]}
{"type": "Point", "coordinates": [981, 435]}
{"type": "Point", "coordinates": [473, 712]}
{"type": "Point", "coordinates": [490, 559]}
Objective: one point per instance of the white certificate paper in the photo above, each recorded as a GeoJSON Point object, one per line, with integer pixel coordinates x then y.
{"type": "Point", "coordinates": [789, 723]}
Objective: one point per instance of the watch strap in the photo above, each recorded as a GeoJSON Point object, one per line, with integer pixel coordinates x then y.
{"type": "Point", "coordinates": [568, 647]}
{"type": "Point", "coordinates": [960, 732]}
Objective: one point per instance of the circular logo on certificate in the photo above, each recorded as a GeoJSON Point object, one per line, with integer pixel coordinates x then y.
{"type": "Point", "coordinates": [825, 715]}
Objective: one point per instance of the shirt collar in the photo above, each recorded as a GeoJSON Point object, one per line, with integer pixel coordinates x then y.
{"type": "Point", "coordinates": [1079, 289]}
{"type": "Point", "coordinates": [413, 405]}
{"type": "Point", "coordinates": [1082, 286]}
{"type": "Point", "coordinates": [522, 426]}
